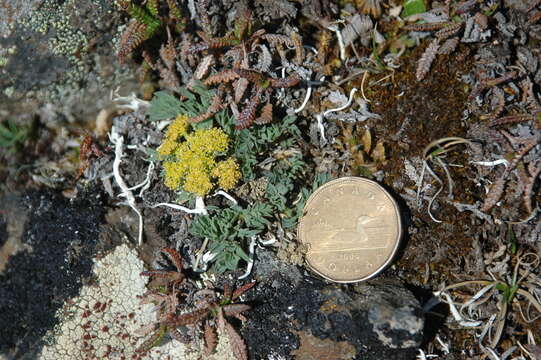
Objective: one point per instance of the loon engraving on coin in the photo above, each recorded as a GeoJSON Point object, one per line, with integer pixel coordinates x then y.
{"type": "Point", "coordinates": [352, 229]}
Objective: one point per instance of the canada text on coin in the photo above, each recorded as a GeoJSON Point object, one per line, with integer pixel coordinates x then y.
{"type": "Point", "coordinates": [352, 229]}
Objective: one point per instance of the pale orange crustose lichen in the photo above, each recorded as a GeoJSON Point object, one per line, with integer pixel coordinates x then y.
{"type": "Point", "coordinates": [195, 160]}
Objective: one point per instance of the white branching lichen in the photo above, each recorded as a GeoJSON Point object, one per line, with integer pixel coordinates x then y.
{"type": "Point", "coordinates": [118, 141]}
{"type": "Point", "coordinates": [200, 207]}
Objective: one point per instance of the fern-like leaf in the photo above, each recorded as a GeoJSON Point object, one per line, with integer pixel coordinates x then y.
{"type": "Point", "coordinates": [244, 288]}
{"type": "Point", "coordinates": [152, 7]}
{"type": "Point", "coordinates": [237, 344]}
{"type": "Point", "coordinates": [132, 37]}
{"type": "Point", "coordinates": [266, 115]}
{"type": "Point", "coordinates": [494, 194]}
{"type": "Point", "coordinates": [448, 46]}
{"type": "Point", "coordinates": [299, 49]}
{"type": "Point", "coordinates": [169, 78]}
{"type": "Point", "coordinates": [286, 82]}
{"type": "Point", "coordinates": [153, 340]}
{"type": "Point", "coordinates": [448, 31]}
{"type": "Point", "coordinates": [423, 66]}
{"type": "Point", "coordinates": [265, 59]}
{"type": "Point", "coordinates": [511, 119]}
{"type": "Point", "coordinates": [174, 11]}
{"type": "Point", "coordinates": [203, 67]}
{"type": "Point", "coordinates": [239, 87]}
{"type": "Point", "coordinates": [277, 39]}
{"type": "Point", "coordinates": [243, 24]}
{"type": "Point", "coordinates": [190, 318]}
{"type": "Point", "coordinates": [252, 76]}
{"type": "Point", "coordinates": [427, 26]}
{"type": "Point", "coordinates": [168, 53]}
{"type": "Point", "coordinates": [247, 116]}
{"type": "Point", "coordinates": [142, 15]}
{"type": "Point", "coordinates": [210, 339]}
{"type": "Point", "coordinates": [221, 77]}
{"type": "Point", "coordinates": [215, 106]}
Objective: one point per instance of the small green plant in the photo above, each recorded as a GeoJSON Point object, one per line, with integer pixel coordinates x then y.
{"type": "Point", "coordinates": [199, 99]}
{"type": "Point", "coordinates": [11, 135]}
{"type": "Point", "coordinates": [227, 228]}
{"type": "Point", "coordinates": [147, 22]}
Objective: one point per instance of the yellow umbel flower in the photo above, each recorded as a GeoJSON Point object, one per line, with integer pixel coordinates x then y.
{"type": "Point", "coordinates": [228, 173]}
{"type": "Point", "coordinates": [174, 172]}
{"type": "Point", "coordinates": [175, 131]}
{"type": "Point", "coordinates": [178, 128]}
{"type": "Point", "coordinates": [208, 140]}
{"type": "Point", "coordinates": [198, 182]}
{"type": "Point", "coordinates": [193, 159]}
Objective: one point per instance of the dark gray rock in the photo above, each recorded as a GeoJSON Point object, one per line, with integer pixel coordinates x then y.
{"type": "Point", "coordinates": [300, 317]}
{"type": "Point", "coordinates": [56, 249]}
{"type": "Point", "coordinates": [394, 314]}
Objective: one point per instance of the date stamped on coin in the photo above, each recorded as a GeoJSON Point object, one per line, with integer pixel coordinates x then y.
{"type": "Point", "coordinates": [352, 229]}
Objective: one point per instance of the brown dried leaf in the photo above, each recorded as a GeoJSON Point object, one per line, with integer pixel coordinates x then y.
{"type": "Point", "coordinates": [235, 309]}
{"type": "Point", "coordinates": [148, 59]}
{"type": "Point", "coordinates": [286, 82]}
{"type": "Point", "coordinates": [534, 170]}
{"type": "Point", "coordinates": [203, 67]}
{"type": "Point", "coordinates": [299, 49]}
{"type": "Point", "coordinates": [169, 78]}
{"type": "Point", "coordinates": [378, 154]}
{"type": "Point", "coordinates": [153, 340]}
{"type": "Point", "coordinates": [247, 116]}
{"type": "Point", "coordinates": [276, 39]}
{"type": "Point", "coordinates": [448, 46]}
{"type": "Point", "coordinates": [132, 37]}
{"type": "Point", "coordinates": [237, 344]}
{"type": "Point", "coordinates": [367, 140]}
{"type": "Point", "coordinates": [251, 75]}
{"type": "Point", "coordinates": [239, 291]}
{"type": "Point", "coordinates": [221, 77]}
{"type": "Point", "coordinates": [266, 115]}
{"type": "Point", "coordinates": [511, 119]}
{"type": "Point", "coordinates": [202, 6]}
{"type": "Point", "coordinates": [323, 46]}
{"type": "Point", "coordinates": [213, 108]}
{"type": "Point", "coordinates": [427, 26]}
{"type": "Point", "coordinates": [210, 339]}
{"type": "Point", "coordinates": [423, 66]}
{"type": "Point", "coordinates": [369, 7]}
{"type": "Point", "coordinates": [448, 31]}
{"type": "Point", "coordinates": [168, 53]}
{"type": "Point", "coordinates": [190, 318]}
{"type": "Point", "coordinates": [500, 105]}
{"type": "Point", "coordinates": [239, 87]}
{"type": "Point", "coordinates": [494, 195]}
{"type": "Point", "coordinates": [220, 319]}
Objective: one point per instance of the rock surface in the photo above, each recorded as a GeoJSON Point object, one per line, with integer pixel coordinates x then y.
{"type": "Point", "coordinates": [57, 59]}
{"type": "Point", "coordinates": [58, 244]}
{"type": "Point", "coordinates": [297, 316]}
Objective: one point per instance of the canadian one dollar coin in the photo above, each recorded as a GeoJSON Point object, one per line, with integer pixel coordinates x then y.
{"type": "Point", "coordinates": [351, 228]}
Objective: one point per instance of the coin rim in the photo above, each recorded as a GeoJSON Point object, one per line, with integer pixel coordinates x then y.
{"type": "Point", "coordinates": [398, 220]}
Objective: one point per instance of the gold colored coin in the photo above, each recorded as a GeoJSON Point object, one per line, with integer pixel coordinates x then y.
{"type": "Point", "coordinates": [352, 229]}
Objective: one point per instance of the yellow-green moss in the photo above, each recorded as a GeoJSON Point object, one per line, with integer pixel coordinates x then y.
{"type": "Point", "coordinates": [195, 160]}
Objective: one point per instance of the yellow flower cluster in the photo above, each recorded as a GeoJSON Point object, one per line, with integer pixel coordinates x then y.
{"type": "Point", "coordinates": [191, 159]}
